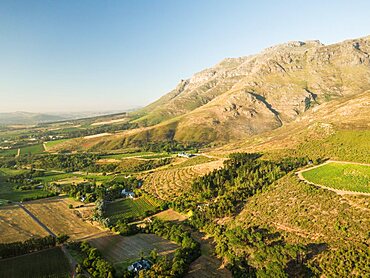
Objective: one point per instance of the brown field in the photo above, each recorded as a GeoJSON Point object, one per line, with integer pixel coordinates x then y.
{"type": "Point", "coordinates": [169, 183]}
{"type": "Point", "coordinates": [206, 266]}
{"type": "Point", "coordinates": [17, 225]}
{"type": "Point", "coordinates": [117, 248]}
{"type": "Point", "coordinates": [171, 215]}
{"type": "Point", "coordinates": [56, 215]}
{"type": "Point", "coordinates": [71, 180]}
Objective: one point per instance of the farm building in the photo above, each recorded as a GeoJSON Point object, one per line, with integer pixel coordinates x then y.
{"type": "Point", "coordinates": [127, 194]}
{"type": "Point", "coordinates": [186, 155]}
{"type": "Point", "coordinates": [139, 265]}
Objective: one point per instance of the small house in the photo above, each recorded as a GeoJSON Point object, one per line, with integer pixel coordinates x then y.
{"type": "Point", "coordinates": [127, 194]}
{"type": "Point", "coordinates": [186, 155]}
{"type": "Point", "coordinates": [139, 265]}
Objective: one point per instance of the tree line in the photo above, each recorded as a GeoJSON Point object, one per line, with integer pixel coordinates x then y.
{"type": "Point", "coordinates": [18, 248]}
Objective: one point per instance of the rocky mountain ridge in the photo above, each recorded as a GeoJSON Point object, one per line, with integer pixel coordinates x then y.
{"type": "Point", "coordinates": [241, 97]}
{"type": "Point", "coordinates": [263, 91]}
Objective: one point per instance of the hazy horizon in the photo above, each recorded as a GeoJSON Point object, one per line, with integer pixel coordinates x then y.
{"type": "Point", "coordinates": [112, 56]}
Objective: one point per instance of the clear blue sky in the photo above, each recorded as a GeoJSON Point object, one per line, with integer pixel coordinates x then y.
{"type": "Point", "coordinates": [107, 55]}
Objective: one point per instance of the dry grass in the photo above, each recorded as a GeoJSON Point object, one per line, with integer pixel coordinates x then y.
{"type": "Point", "coordinates": [16, 225]}
{"type": "Point", "coordinates": [307, 213]}
{"type": "Point", "coordinates": [169, 183]}
{"type": "Point", "coordinates": [71, 180]}
{"type": "Point", "coordinates": [56, 215]}
{"type": "Point", "coordinates": [171, 215]}
{"type": "Point", "coordinates": [117, 248]}
{"type": "Point", "coordinates": [206, 266]}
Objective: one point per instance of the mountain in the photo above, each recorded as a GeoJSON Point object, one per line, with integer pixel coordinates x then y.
{"type": "Point", "coordinates": [27, 118]}
{"type": "Point", "coordinates": [251, 95]}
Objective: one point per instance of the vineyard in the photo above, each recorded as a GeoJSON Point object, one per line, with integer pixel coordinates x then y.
{"type": "Point", "coordinates": [131, 209]}
{"type": "Point", "coordinates": [47, 263]}
{"type": "Point", "coordinates": [170, 183]}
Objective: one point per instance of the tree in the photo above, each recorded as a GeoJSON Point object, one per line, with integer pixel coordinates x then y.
{"type": "Point", "coordinates": [154, 255]}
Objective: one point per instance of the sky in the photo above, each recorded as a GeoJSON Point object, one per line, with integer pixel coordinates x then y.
{"type": "Point", "coordinates": [86, 55]}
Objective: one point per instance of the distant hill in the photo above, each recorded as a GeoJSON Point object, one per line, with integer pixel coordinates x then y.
{"type": "Point", "coordinates": [27, 118]}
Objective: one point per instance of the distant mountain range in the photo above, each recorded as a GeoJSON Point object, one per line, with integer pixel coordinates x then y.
{"type": "Point", "coordinates": [27, 118]}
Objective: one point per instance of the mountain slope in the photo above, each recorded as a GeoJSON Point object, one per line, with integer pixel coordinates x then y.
{"type": "Point", "coordinates": [243, 97]}
{"type": "Point", "coordinates": [252, 94]}
{"type": "Point", "coordinates": [339, 129]}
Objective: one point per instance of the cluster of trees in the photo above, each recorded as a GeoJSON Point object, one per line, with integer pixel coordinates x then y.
{"type": "Point", "coordinates": [149, 165]}
{"type": "Point", "coordinates": [7, 162]}
{"type": "Point", "coordinates": [18, 248]}
{"type": "Point", "coordinates": [91, 192]}
{"type": "Point", "coordinates": [223, 192]}
{"type": "Point", "coordinates": [93, 261]}
{"type": "Point", "coordinates": [272, 256]}
{"type": "Point", "coordinates": [345, 261]}
{"type": "Point", "coordinates": [170, 146]}
{"type": "Point", "coordinates": [124, 228]}
{"type": "Point", "coordinates": [26, 181]}
{"type": "Point", "coordinates": [68, 162]}
{"type": "Point", "coordinates": [36, 197]}
{"type": "Point", "coordinates": [88, 191]}
{"type": "Point", "coordinates": [178, 266]}
{"type": "Point", "coordinates": [99, 214]}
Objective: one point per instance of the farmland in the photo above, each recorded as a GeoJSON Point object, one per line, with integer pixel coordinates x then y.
{"type": "Point", "coordinates": [131, 208]}
{"type": "Point", "coordinates": [10, 152]}
{"type": "Point", "coordinates": [169, 183]}
{"type": "Point", "coordinates": [34, 149]}
{"type": "Point", "coordinates": [51, 144]}
{"type": "Point", "coordinates": [9, 192]}
{"type": "Point", "coordinates": [171, 215]}
{"type": "Point", "coordinates": [117, 248]}
{"type": "Point", "coordinates": [341, 176]}
{"type": "Point", "coordinates": [207, 267]}
{"type": "Point", "coordinates": [16, 225]}
{"type": "Point", "coordinates": [126, 155]}
{"type": "Point", "coordinates": [47, 263]}
{"type": "Point", "coordinates": [54, 212]}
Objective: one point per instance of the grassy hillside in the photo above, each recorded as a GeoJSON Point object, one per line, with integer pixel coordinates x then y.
{"type": "Point", "coordinates": [333, 226]}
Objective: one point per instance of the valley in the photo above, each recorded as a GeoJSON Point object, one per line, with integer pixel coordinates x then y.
{"type": "Point", "coordinates": [256, 167]}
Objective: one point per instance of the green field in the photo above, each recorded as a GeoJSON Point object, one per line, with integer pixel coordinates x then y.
{"type": "Point", "coordinates": [352, 177]}
{"type": "Point", "coordinates": [8, 192]}
{"type": "Point", "coordinates": [158, 155]}
{"type": "Point", "coordinates": [53, 143]}
{"type": "Point", "coordinates": [11, 172]}
{"type": "Point", "coordinates": [47, 263]}
{"type": "Point", "coordinates": [11, 152]}
{"type": "Point", "coordinates": [53, 176]}
{"type": "Point", "coordinates": [34, 149]}
{"type": "Point", "coordinates": [126, 155]}
{"type": "Point", "coordinates": [131, 209]}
